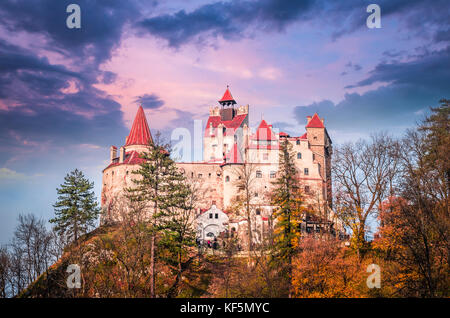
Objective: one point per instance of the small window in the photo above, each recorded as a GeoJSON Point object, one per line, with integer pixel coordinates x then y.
{"type": "Point", "coordinates": [192, 174]}
{"type": "Point", "coordinates": [317, 229]}
{"type": "Point", "coordinates": [306, 170]}
{"type": "Point", "coordinates": [227, 178]}
{"type": "Point", "coordinates": [200, 175]}
{"type": "Point", "coordinates": [259, 174]}
{"type": "Point", "coordinates": [210, 215]}
{"type": "Point", "coordinates": [258, 212]}
{"type": "Point", "coordinates": [112, 173]}
{"type": "Point", "coordinates": [256, 194]}
{"type": "Point", "coordinates": [216, 215]}
{"type": "Point", "coordinates": [209, 175]}
{"type": "Point", "coordinates": [299, 155]}
{"type": "Point", "coordinates": [127, 172]}
{"type": "Point", "coordinates": [298, 142]}
{"type": "Point", "coordinates": [315, 137]}
{"type": "Point", "coordinates": [214, 202]}
{"type": "Point", "coordinates": [265, 156]}
{"type": "Point", "coordinates": [314, 157]}
{"type": "Point", "coordinates": [273, 174]}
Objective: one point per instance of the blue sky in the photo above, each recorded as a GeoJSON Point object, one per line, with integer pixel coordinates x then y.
{"type": "Point", "coordinates": [67, 95]}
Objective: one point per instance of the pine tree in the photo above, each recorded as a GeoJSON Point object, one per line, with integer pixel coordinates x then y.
{"type": "Point", "coordinates": [176, 224]}
{"type": "Point", "coordinates": [287, 200]}
{"type": "Point", "coordinates": [170, 198]}
{"type": "Point", "coordinates": [76, 209]}
{"type": "Point", "coordinates": [437, 140]}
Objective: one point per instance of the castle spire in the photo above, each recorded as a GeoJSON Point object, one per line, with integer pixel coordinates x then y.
{"type": "Point", "coordinates": [139, 133]}
{"type": "Point", "coordinates": [315, 122]}
{"type": "Point", "coordinates": [227, 99]}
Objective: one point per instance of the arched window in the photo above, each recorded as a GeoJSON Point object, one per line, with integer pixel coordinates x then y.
{"type": "Point", "coordinates": [299, 155]}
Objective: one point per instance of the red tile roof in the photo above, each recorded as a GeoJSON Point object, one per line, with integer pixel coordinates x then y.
{"type": "Point", "coordinates": [264, 132]}
{"type": "Point", "coordinates": [304, 136]}
{"type": "Point", "coordinates": [140, 133]}
{"type": "Point", "coordinates": [315, 122]}
{"type": "Point", "coordinates": [131, 158]}
{"type": "Point", "coordinates": [235, 123]}
{"type": "Point", "coordinates": [227, 96]}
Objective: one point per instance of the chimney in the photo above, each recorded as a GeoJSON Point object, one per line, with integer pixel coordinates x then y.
{"type": "Point", "coordinates": [309, 119]}
{"type": "Point", "coordinates": [121, 154]}
{"type": "Point", "coordinates": [113, 153]}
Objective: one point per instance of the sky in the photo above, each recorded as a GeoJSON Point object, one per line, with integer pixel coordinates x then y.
{"type": "Point", "coordinates": [67, 95]}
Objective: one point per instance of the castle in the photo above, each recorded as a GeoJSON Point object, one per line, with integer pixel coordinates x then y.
{"type": "Point", "coordinates": [229, 145]}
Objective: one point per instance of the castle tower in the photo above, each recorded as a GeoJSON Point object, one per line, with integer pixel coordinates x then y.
{"type": "Point", "coordinates": [140, 136]}
{"type": "Point", "coordinates": [226, 112]}
{"type": "Point", "coordinates": [118, 174]}
{"type": "Point", "coordinates": [224, 128]}
{"type": "Point", "coordinates": [320, 145]}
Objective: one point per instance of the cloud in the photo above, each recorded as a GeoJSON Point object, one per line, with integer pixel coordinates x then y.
{"type": "Point", "coordinates": [408, 88]}
{"type": "Point", "coordinates": [39, 110]}
{"type": "Point", "coordinates": [427, 70]}
{"type": "Point", "coordinates": [233, 20]}
{"type": "Point", "coordinates": [8, 174]}
{"type": "Point", "coordinates": [149, 101]}
{"type": "Point", "coordinates": [230, 20]}
{"type": "Point", "coordinates": [101, 28]}
{"type": "Point", "coordinates": [410, 14]}
{"type": "Point", "coordinates": [44, 103]}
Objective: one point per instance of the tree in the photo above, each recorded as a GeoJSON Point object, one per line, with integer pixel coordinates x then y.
{"type": "Point", "coordinates": [323, 268]}
{"type": "Point", "coordinates": [176, 224]}
{"type": "Point", "coordinates": [76, 208]}
{"type": "Point", "coordinates": [34, 241]}
{"type": "Point", "coordinates": [364, 173]}
{"type": "Point", "coordinates": [287, 200]}
{"type": "Point", "coordinates": [171, 201]}
{"type": "Point", "coordinates": [4, 271]}
{"type": "Point", "coordinates": [437, 140]}
{"type": "Point", "coordinates": [245, 183]}
{"type": "Point", "coordinates": [415, 227]}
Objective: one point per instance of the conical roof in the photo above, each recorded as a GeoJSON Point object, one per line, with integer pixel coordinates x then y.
{"type": "Point", "coordinates": [139, 133]}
